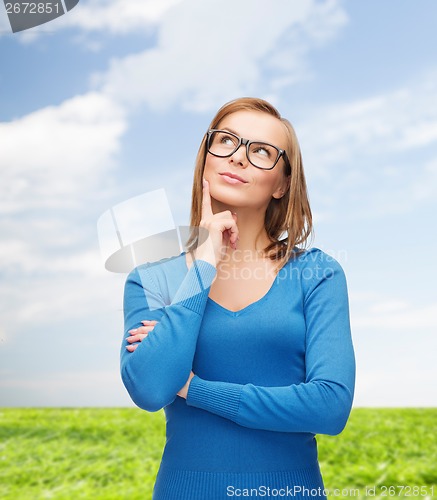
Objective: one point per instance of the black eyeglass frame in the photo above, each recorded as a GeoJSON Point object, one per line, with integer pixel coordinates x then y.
{"type": "Point", "coordinates": [245, 142]}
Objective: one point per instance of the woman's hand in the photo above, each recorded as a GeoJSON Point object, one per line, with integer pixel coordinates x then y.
{"type": "Point", "coordinates": [140, 333]}
{"type": "Point", "coordinates": [222, 231]}
{"type": "Point", "coordinates": [184, 391]}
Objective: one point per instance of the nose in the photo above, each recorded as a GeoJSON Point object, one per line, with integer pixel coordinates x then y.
{"type": "Point", "coordinates": [240, 156]}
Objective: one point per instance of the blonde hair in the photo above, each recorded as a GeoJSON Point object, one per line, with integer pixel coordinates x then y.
{"type": "Point", "coordinates": [290, 213]}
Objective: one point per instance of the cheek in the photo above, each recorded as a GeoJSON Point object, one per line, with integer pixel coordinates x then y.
{"type": "Point", "coordinates": [211, 173]}
{"type": "Point", "coordinates": [210, 165]}
{"type": "Point", "coordinates": [267, 183]}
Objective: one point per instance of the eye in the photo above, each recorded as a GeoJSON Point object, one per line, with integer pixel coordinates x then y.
{"type": "Point", "coordinates": [228, 140]}
{"type": "Point", "coordinates": [262, 150]}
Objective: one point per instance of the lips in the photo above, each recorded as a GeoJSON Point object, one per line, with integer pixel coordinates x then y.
{"type": "Point", "coordinates": [233, 176]}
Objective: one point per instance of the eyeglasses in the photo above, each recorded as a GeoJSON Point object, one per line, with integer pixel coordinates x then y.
{"type": "Point", "coordinates": [262, 155]}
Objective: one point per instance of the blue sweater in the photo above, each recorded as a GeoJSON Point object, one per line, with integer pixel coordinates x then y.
{"type": "Point", "coordinates": [268, 378]}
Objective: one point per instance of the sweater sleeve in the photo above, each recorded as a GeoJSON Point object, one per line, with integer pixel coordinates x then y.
{"type": "Point", "coordinates": [322, 403]}
{"type": "Point", "coordinates": [161, 363]}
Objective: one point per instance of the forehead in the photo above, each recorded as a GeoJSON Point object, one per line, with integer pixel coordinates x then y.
{"type": "Point", "coordinates": [256, 126]}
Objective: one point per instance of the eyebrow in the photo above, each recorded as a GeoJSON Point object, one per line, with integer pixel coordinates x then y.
{"type": "Point", "coordinates": [230, 130]}
{"type": "Point", "coordinates": [256, 140]}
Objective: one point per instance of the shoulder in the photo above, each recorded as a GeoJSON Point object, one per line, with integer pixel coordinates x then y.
{"type": "Point", "coordinates": [160, 274]}
{"type": "Point", "coordinates": [313, 257]}
{"type": "Point", "coordinates": [316, 266]}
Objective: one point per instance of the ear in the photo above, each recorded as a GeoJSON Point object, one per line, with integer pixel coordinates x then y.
{"type": "Point", "coordinates": [283, 188]}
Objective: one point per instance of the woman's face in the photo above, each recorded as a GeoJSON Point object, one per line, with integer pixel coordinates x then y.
{"type": "Point", "coordinates": [257, 186]}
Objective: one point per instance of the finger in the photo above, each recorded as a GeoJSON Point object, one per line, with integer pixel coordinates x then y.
{"type": "Point", "coordinates": [206, 201]}
{"type": "Point", "coordinates": [227, 225]}
{"type": "Point", "coordinates": [141, 329]}
{"type": "Point", "coordinates": [231, 242]}
{"type": "Point", "coordinates": [229, 228]}
{"type": "Point", "coordinates": [234, 235]}
{"type": "Point", "coordinates": [131, 348]}
{"type": "Point", "coordinates": [136, 338]}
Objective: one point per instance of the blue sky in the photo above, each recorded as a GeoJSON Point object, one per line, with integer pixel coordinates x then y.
{"type": "Point", "coordinates": [111, 101]}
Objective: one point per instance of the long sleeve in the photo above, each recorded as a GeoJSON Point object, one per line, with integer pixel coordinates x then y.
{"type": "Point", "coordinates": [322, 403]}
{"type": "Point", "coordinates": [161, 363]}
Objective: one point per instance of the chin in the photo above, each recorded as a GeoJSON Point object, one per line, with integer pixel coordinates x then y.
{"type": "Point", "coordinates": [228, 196]}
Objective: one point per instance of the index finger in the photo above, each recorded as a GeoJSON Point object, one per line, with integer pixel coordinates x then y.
{"type": "Point", "coordinates": [206, 200]}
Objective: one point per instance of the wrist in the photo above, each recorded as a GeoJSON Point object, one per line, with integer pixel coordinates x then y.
{"type": "Point", "coordinates": [191, 384]}
{"type": "Point", "coordinates": [206, 252]}
{"type": "Point", "coordinates": [206, 256]}
{"type": "Point", "coordinates": [183, 393]}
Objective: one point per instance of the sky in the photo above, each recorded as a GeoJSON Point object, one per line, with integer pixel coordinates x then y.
{"type": "Point", "coordinates": [111, 101]}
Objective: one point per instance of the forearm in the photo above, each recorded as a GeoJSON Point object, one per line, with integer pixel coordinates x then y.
{"type": "Point", "coordinates": [161, 363]}
{"type": "Point", "coordinates": [320, 407]}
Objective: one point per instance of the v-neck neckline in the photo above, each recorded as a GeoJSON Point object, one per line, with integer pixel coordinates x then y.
{"type": "Point", "coordinates": [246, 308]}
{"type": "Point", "coordinates": [249, 306]}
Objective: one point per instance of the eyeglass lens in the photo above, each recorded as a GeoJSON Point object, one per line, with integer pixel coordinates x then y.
{"type": "Point", "coordinates": [260, 154]}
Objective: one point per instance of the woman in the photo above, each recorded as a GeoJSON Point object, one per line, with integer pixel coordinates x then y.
{"type": "Point", "coordinates": [244, 339]}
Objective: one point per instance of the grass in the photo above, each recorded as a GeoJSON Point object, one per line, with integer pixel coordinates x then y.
{"type": "Point", "coordinates": [97, 453]}
{"type": "Point", "coordinates": [381, 448]}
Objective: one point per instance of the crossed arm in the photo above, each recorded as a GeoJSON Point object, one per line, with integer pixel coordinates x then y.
{"type": "Point", "coordinates": [138, 334]}
{"type": "Point", "coordinates": [321, 404]}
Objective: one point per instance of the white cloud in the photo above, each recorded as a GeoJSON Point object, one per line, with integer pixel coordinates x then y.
{"type": "Point", "coordinates": [76, 286]}
{"type": "Point", "coordinates": [389, 306]}
{"type": "Point", "coordinates": [117, 16]}
{"type": "Point", "coordinates": [377, 311]}
{"type": "Point", "coordinates": [386, 316]}
{"type": "Point", "coordinates": [391, 123]}
{"type": "Point", "coordinates": [55, 163]}
{"type": "Point", "coordinates": [209, 52]}
{"type": "Point", "coordinates": [52, 155]}
{"type": "Point", "coordinates": [377, 155]}
{"type": "Point", "coordinates": [424, 187]}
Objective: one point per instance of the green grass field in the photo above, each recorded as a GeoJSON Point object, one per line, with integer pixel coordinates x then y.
{"type": "Point", "coordinates": [114, 453]}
